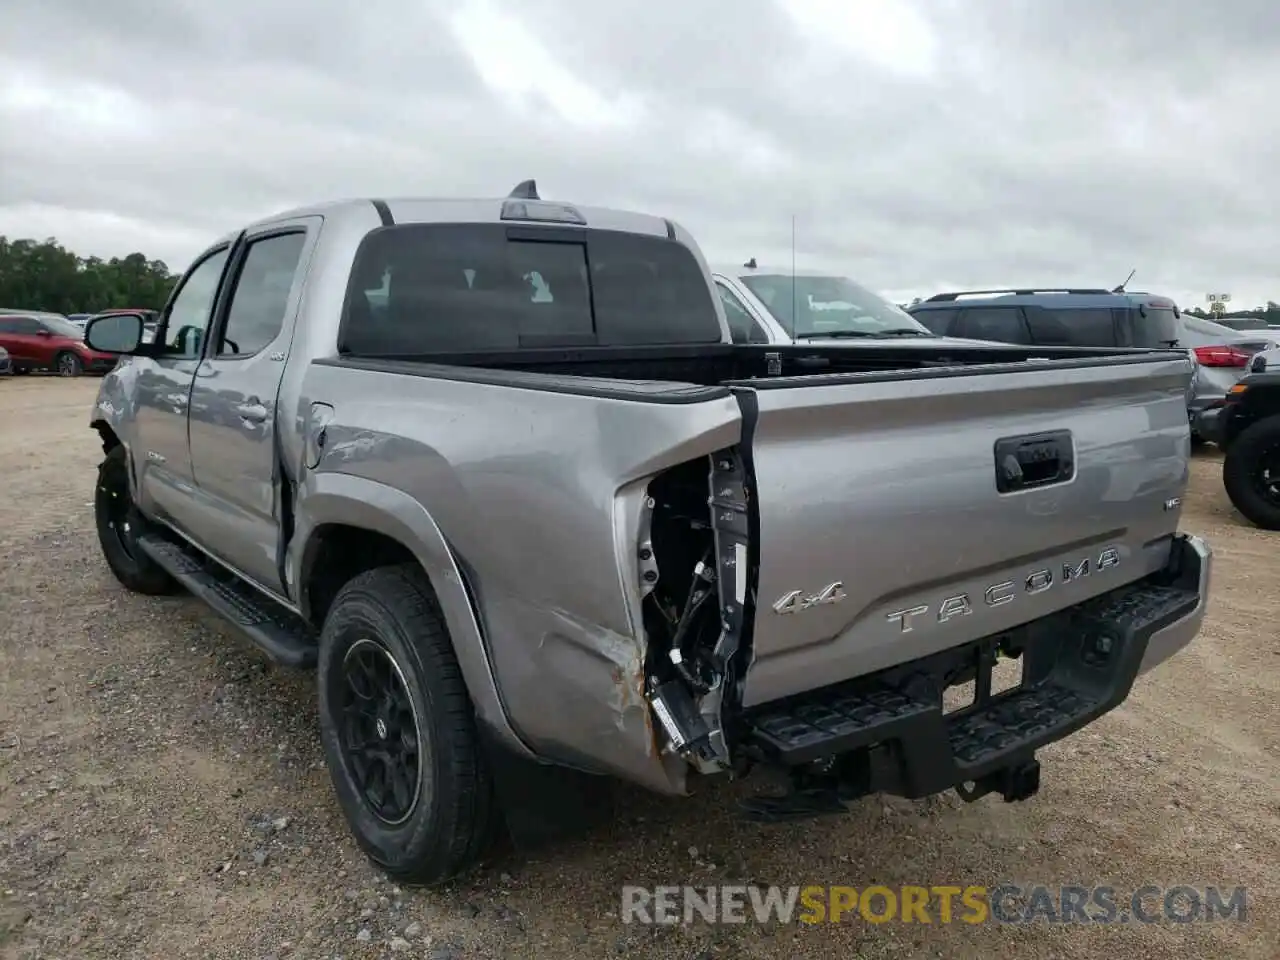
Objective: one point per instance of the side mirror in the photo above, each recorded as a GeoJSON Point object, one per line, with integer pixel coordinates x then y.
{"type": "Point", "coordinates": [115, 333]}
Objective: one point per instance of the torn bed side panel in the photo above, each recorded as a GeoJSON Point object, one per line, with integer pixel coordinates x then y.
{"type": "Point", "coordinates": [601, 682]}
{"type": "Point", "coordinates": [695, 669]}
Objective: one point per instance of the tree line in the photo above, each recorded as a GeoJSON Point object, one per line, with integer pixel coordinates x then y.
{"type": "Point", "coordinates": [45, 275]}
{"type": "Point", "coordinates": [1269, 313]}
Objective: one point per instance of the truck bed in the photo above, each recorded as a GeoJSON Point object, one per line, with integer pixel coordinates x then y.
{"type": "Point", "coordinates": [869, 497]}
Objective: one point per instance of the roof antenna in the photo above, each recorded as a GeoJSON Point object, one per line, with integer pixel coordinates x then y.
{"type": "Point", "coordinates": [1120, 289]}
{"type": "Point", "coordinates": [794, 307]}
{"type": "Point", "coordinates": [750, 264]}
{"type": "Point", "coordinates": [525, 190]}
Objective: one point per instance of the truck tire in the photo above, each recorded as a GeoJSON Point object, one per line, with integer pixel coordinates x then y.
{"type": "Point", "coordinates": [399, 731]}
{"type": "Point", "coordinates": [67, 364]}
{"type": "Point", "coordinates": [1251, 473]}
{"type": "Point", "coordinates": [119, 524]}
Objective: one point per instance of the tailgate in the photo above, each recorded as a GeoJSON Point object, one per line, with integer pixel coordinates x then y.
{"type": "Point", "coordinates": [884, 534]}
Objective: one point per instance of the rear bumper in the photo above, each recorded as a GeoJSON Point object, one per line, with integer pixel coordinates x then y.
{"type": "Point", "coordinates": [889, 729]}
{"type": "Point", "coordinates": [1207, 424]}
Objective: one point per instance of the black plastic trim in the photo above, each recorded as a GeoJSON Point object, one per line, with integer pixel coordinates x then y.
{"type": "Point", "coordinates": [1033, 363]}
{"type": "Point", "coordinates": [1078, 664]}
{"type": "Point", "coordinates": [549, 234]}
{"type": "Point", "coordinates": [636, 392]}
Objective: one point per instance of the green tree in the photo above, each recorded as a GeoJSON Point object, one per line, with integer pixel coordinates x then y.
{"type": "Point", "coordinates": [44, 275]}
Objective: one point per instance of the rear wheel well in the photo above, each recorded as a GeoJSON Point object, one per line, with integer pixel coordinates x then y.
{"type": "Point", "coordinates": [338, 553]}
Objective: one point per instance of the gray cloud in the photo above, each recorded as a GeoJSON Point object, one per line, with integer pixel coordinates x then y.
{"type": "Point", "coordinates": [1045, 142]}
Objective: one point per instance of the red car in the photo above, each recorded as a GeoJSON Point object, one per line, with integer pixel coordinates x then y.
{"type": "Point", "coordinates": [46, 341]}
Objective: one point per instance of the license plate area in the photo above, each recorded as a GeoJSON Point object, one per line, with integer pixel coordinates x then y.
{"type": "Point", "coordinates": [991, 673]}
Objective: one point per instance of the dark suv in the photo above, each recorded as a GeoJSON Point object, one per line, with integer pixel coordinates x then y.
{"type": "Point", "coordinates": [1054, 317]}
{"type": "Point", "coordinates": [1091, 318]}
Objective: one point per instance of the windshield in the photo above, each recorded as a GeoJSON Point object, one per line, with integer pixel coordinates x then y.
{"type": "Point", "coordinates": [816, 306]}
{"type": "Point", "coordinates": [63, 328]}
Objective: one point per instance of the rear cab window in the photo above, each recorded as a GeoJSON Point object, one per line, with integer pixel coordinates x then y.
{"type": "Point", "coordinates": [420, 289]}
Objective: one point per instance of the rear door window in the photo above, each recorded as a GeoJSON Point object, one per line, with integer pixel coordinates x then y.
{"type": "Point", "coordinates": [938, 321]}
{"type": "Point", "coordinates": [441, 288]}
{"type": "Point", "coordinates": [1084, 327]}
{"type": "Point", "coordinates": [1002, 324]}
{"type": "Point", "coordinates": [19, 325]}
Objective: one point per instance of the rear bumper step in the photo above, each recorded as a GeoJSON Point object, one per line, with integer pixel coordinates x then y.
{"type": "Point", "coordinates": [889, 732]}
{"type": "Point", "coordinates": [280, 634]}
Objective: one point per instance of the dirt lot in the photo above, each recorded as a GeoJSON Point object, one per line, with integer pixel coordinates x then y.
{"type": "Point", "coordinates": [162, 792]}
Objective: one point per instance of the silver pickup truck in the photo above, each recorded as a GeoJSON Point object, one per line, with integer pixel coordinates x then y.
{"type": "Point", "coordinates": [497, 470]}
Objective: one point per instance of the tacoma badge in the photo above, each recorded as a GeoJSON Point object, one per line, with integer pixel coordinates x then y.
{"type": "Point", "coordinates": [998, 594]}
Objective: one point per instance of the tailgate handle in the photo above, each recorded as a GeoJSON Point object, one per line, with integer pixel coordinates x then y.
{"type": "Point", "coordinates": [1035, 460]}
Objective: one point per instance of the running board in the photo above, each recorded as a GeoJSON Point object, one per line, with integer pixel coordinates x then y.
{"type": "Point", "coordinates": [278, 632]}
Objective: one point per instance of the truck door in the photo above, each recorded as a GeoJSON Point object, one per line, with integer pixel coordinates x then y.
{"type": "Point", "coordinates": [161, 457]}
{"type": "Point", "coordinates": [233, 420]}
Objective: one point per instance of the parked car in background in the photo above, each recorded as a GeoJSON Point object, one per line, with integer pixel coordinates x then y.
{"type": "Point", "coordinates": [1246, 427]}
{"type": "Point", "coordinates": [43, 341]}
{"type": "Point", "coordinates": [782, 305]}
{"type": "Point", "coordinates": [1223, 356]}
{"type": "Point", "coordinates": [1242, 323]}
{"type": "Point", "coordinates": [6, 366]}
{"type": "Point", "coordinates": [1100, 318]}
{"type": "Point", "coordinates": [1079, 317]}
{"type": "Point", "coordinates": [79, 319]}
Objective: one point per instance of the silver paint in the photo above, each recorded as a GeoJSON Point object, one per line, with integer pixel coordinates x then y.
{"type": "Point", "coordinates": [526, 508]}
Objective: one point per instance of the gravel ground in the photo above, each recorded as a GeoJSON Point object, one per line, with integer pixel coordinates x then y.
{"type": "Point", "coordinates": [162, 792]}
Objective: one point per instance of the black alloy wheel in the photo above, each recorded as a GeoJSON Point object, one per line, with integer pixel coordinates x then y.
{"type": "Point", "coordinates": [379, 732]}
{"type": "Point", "coordinates": [1251, 473]}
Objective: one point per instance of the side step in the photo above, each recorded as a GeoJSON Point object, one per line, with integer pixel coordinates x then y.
{"type": "Point", "coordinates": [281, 634]}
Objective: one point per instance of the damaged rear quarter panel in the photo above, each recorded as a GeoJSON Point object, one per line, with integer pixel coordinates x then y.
{"type": "Point", "coordinates": [540, 495]}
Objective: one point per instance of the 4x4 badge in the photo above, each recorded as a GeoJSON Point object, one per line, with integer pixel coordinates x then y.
{"type": "Point", "coordinates": [795, 601]}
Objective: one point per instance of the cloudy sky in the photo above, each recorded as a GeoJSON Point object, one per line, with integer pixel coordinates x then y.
{"type": "Point", "coordinates": [919, 145]}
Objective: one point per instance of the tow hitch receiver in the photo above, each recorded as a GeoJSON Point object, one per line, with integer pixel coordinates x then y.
{"type": "Point", "coordinates": [1020, 781]}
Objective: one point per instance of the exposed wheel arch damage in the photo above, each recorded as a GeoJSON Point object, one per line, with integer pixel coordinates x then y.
{"type": "Point", "coordinates": [108, 436]}
{"type": "Point", "coordinates": [341, 513]}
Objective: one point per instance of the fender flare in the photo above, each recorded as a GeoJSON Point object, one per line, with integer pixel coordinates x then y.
{"type": "Point", "coordinates": [346, 499]}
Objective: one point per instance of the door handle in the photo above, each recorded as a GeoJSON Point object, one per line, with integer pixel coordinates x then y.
{"type": "Point", "coordinates": [1038, 460]}
{"type": "Point", "coordinates": [252, 412]}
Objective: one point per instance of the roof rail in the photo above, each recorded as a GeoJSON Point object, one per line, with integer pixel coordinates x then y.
{"type": "Point", "coordinates": [525, 190]}
{"type": "Point", "coordinates": [1019, 292]}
